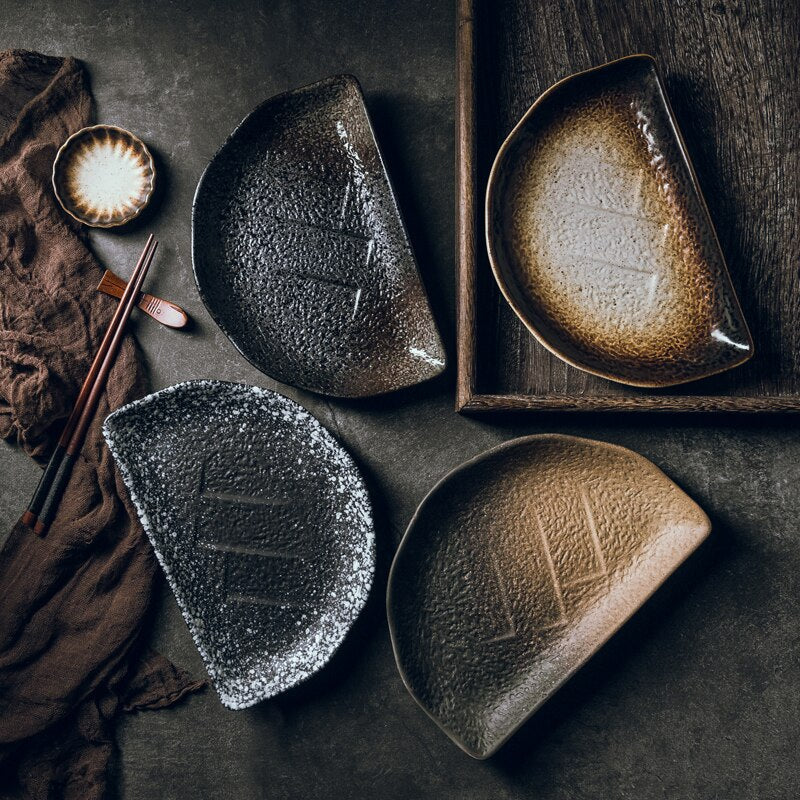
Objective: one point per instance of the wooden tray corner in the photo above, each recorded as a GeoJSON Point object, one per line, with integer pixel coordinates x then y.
{"type": "Point", "coordinates": [726, 74]}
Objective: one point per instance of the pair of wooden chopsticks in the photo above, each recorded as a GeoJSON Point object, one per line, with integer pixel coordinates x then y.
{"type": "Point", "coordinates": [46, 498]}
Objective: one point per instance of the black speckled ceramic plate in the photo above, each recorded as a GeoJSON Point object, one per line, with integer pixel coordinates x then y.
{"type": "Point", "coordinates": [518, 566]}
{"type": "Point", "coordinates": [300, 253]}
{"type": "Point", "coordinates": [261, 522]}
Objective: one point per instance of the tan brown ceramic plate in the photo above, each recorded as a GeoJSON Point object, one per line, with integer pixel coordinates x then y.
{"type": "Point", "coordinates": [518, 566]}
{"type": "Point", "coordinates": [103, 176]}
{"type": "Point", "coordinates": [599, 237]}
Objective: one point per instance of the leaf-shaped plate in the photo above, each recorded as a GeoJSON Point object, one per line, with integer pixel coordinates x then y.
{"type": "Point", "coordinates": [518, 566]}
{"type": "Point", "coordinates": [600, 239]}
{"type": "Point", "coordinates": [300, 253]}
{"type": "Point", "coordinates": [261, 522]}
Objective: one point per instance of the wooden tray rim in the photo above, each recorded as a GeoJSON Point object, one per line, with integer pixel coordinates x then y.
{"type": "Point", "coordinates": [467, 398]}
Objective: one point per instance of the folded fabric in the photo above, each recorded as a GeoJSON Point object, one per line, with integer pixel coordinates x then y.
{"type": "Point", "coordinates": [72, 603]}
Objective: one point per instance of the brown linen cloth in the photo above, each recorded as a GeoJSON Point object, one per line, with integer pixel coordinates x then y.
{"type": "Point", "coordinates": [73, 602]}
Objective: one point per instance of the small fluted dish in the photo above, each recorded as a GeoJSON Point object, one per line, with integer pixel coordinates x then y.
{"type": "Point", "coordinates": [104, 176]}
{"type": "Point", "coordinates": [600, 239]}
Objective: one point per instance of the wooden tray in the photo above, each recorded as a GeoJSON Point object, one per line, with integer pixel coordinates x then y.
{"type": "Point", "coordinates": [730, 70]}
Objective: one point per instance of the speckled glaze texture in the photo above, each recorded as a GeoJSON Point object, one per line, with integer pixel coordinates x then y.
{"type": "Point", "coordinates": [300, 253]}
{"type": "Point", "coordinates": [518, 566]}
{"type": "Point", "coordinates": [103, 176]}
{"type": "Point", "coordinates": [600, 239]}
{"type": "Point", "coordinates": [261, 522]}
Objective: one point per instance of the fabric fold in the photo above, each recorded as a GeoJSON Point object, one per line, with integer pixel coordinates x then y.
{"type": "Point", "coordinates": [72, 603]}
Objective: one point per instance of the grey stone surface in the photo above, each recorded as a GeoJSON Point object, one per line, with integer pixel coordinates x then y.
{"type": "Point", "coordinates": [696, 698]}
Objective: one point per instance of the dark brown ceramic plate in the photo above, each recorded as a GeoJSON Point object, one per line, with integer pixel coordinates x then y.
{"type": "Point", "coordinates": [261, 522]}
{"type": "Point", "coordinates": [518, 566]}
{"type": "Point", "coordinates": [300, 253]}
{"type": "Point", "coordinates": [104, 176]}
{"type": "Point", "coordinates": [600, 239]}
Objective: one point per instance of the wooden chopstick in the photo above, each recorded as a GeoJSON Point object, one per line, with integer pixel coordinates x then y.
{"type": "Point", "coordinates": [45, 482]}
{"type": "Point", "coordinates": [61, 477]}
{"type": "Point", "coordinates": [88, 395]}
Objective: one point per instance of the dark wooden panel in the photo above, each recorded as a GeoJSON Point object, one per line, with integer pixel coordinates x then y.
{"type": "Point", "coordinates": [731, 70]}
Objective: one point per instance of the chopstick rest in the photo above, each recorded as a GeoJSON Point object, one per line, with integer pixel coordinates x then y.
{"type": "Point", "coordinates": [163, 311]}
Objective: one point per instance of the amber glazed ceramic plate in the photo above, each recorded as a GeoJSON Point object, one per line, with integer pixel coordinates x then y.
{"type": "Point", "coordinates": [518, 566]}
{"type": "Point", "coordinates": [261, 522]}
{"type": "Point", "coordinates": [300, 253]}
{"type": "Point", "coordinates": [104, 176]}
{"type": "Point", "coordinates": [600, 239]}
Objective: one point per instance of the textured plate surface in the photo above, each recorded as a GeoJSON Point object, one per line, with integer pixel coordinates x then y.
{"type": "Point", "coordinates": [103, 176]}
{"type": "Point", "coordinates": [518, 566]}
{"type": "Point", "coordinates": [600, 239]}
{"type": "Point", "coordinates": [300, 254]}
{"type": "Point", "coordinates": [261, 522]}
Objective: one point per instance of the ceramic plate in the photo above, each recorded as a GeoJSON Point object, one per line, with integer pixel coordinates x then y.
{"type": "Point", "coordinates": [518, 566]}
{"type": "Point", "coordinates": [103, 176]}
{"type": "Point", "coordinates": [600, 239]}
{"type": "Point", "coordinates": [300, 254]}
{"type": "Point", "coordinates": [261, 522]}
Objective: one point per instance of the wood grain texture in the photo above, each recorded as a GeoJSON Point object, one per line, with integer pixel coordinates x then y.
{"type": "Point", "coordinates": [731, 74]}
{"type": "Point", "coordinates": [465, 192]}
